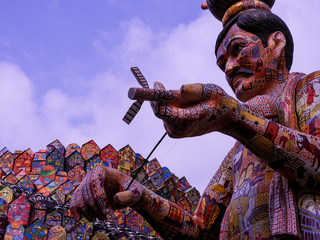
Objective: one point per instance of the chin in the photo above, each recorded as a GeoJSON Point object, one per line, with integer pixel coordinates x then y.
{"type": "Point", "coordinates": [245, 96]}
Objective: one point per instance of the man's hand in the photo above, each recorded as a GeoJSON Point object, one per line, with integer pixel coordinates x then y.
{"type": "Point", "coordinates": [193, 110]}
{"type": "Point", "coordinates": [101, 189]}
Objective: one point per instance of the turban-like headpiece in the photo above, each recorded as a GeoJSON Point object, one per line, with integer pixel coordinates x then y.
{"type": "Point", "coordinates": [225, 10]}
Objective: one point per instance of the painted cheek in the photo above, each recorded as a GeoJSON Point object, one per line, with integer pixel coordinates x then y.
{"type": "Point", "coordinates": [247, 59]}
{"type": "Point", "coordinates": [262, 52]}
{"type": "Point", "coordinates": [241, 61]}
{"type": "Point", "coordinates": [247, 86]}
{"type": "Point", "coordinates": [256, 54]}
{"type": "Point", "coordinates": [242, 58]}
{"type": "Point", "coordinates": [259, 66]}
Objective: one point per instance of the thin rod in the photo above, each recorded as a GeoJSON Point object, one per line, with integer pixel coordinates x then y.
{"type": "Point", "coordinates": [146, 160]}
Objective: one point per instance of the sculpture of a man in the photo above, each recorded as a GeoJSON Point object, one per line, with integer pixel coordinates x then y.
{"type": "Point", "coordinates": [271, 177]}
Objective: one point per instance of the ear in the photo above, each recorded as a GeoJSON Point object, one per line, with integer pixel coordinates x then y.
{"type": "Point", "coordinates": [277, 43]}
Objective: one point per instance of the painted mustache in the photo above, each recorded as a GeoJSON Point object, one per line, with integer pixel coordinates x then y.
{"type": "Point", "coordinates": [236, 73]}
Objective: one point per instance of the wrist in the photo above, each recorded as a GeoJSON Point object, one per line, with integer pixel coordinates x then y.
{"type": "Point", "coordinates": [141, 203]}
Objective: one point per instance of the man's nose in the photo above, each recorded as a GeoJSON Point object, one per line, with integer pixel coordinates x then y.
{"type": "Point", "coordinates": [232, 67]}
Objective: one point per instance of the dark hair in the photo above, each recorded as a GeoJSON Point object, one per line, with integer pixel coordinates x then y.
{"type": "Point", "coordinates": [262, 24]}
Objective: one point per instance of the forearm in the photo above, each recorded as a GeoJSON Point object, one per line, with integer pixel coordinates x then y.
{"type": "Point", "coordinates": [172, 222]}
{"type": "Point", "coordinates": [294, 154]}
{"type": "Point", "coordinates": [167, 218]}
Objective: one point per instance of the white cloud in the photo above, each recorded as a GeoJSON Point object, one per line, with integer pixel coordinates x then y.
{"type": "Point", "coordinates": [17, 105]}
{"type": "Point", "coordinates": [301, 18]}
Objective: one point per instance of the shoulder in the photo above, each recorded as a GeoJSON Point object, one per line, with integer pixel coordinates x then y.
{"type": "Point", "coordinates": [312, 79]}
{"type": "Point", "coordinates": [308, 102]}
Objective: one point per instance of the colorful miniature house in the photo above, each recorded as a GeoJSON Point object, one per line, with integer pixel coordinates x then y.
{"type": "Point", "coordinates": [23, 161]}
{"type": "Point", "coordinates": [19, 211]}
{"type": "Point", "coordinates": [14, 231]}
{"type": "Point", "coordinates": [39, 161]}
{"type": "Point", "coordinates": [6, 160]}
{"type": "Point", "coordinates": [156, 180]}
{"type": "Point", "coordinates": [141, 175]}
{"type": "Point", "coordinates": [110, 156]}
{"type": "Point", "coordinates": [26, 183]}
{"type": "Point", "coordinates": [34, 197]}
{"type": "Point", "coordinates": [165, 172]}
{"type": "Point", "coordinates": [36, 230]}
{"type": "Point", "coordinates": [7, 194]}
{"type": "Point", "coordinates": [153, 166]}
{"type": "Point", "coordinates": [57, 232]}
{"type": "Point", "coordinates": [93, 162]}
{"type": "Point", "coordinates": [56, 159]}
{"type": "Point", "coordinates": [3, 207]}
{"type": "Point", "coordinates": [74, 159]}
{"type": "Point", "coordinates": [127, 158]}
{"type": "Point", "coordinates": [55, 145]}
{"type": "Point", "coordinates": [140, 161]}
{"type": "Point", "coordinates": [89, 150]}
{"type": "Point", "coordinates": [71, 148]}
{"type": "Point", "coordinates": [185, 204]}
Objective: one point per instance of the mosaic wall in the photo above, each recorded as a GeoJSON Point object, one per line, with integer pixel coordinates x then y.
{"type": "Point", "coordinates": [35, 189]}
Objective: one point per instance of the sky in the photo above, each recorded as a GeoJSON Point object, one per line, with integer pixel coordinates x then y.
{"type": "Point", "coordinates": [65, 72]}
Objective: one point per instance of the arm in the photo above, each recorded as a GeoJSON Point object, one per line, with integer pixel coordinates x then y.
{"type": "Point", "coordinates": [172, 222]}
{"type": "Point", "coordinates": [202, 108]}
{"type": "Point", "coordinates": [103, 188]}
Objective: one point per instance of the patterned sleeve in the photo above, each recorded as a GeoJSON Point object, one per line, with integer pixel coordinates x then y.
{"type": "Point", "coordinates": [215, 199]}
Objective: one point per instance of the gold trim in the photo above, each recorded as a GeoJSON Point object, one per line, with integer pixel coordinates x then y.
{"type": "Point", "coordinates": [241, 6]}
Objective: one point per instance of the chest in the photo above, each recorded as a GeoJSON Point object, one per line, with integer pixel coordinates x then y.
{"type": "Point", "coordinates": [249, 172]}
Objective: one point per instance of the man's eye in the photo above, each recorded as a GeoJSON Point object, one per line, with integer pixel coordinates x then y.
{"type": "Point", "coordinates": [237, 49]}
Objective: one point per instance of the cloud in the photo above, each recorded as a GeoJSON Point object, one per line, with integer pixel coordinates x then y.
{"type": "Point", "coordinates": [17, 105]}
{"type": "Point", "coordinates": [302, 21]}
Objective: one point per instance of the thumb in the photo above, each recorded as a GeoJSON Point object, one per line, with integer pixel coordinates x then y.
{"type": "Point", "coordinates": [126, 198]}
{"type": "Point", "coordinates": [158, 85]}
{"type": "Point", "coordinates": [191, 93]}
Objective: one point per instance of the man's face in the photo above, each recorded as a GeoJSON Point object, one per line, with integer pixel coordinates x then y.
{"type": "Point", "coordinates": [245, 62]}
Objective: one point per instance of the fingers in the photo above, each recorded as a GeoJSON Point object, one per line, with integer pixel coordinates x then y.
{"type": "Point", "coordinates": [204, 109]}
{"type": "Point", "coordinates": [99, 191]}
{"type": "Point", "coordinates": [131, 196]}
{"type": "Point", "coordinates": [75, 204]}
{"type": "Point", "coordinates": [159, 86]}
{"type": "Point", "coordinates": [191, 92]}
{"type": "Point", "coordinates": [158, 95]}
{"type": "Point", "coordinates": [188, 94]}
{"type": "Point", "coordinates": [89, 210]}
{"type": "Point", "coordinates": [89, 198]}
{"type": "Point", "coordinates": [190, 121]}
{"type": "Point", "coordinates": [80, 202]}
{"type": "Point", "coordinates": [124, 198]}
{"type": "Point", "coordinates": [101, 202]}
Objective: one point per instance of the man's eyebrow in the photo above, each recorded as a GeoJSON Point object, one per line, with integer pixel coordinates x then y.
{"type": "Point", "coordinates": [219, 57]}
{"type": "Point", "coordinates": [231, 41]}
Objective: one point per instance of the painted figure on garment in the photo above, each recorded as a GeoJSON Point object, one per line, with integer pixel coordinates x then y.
{"type": "Point", "coordinates": [268, 185]}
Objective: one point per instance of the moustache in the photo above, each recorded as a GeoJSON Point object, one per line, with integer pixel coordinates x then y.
{"type": "Point", "coordinates": [237, 72]}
